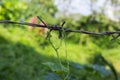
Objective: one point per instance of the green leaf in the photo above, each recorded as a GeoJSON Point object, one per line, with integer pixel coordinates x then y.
{"type": "Point", "coordinates": [59, 69]}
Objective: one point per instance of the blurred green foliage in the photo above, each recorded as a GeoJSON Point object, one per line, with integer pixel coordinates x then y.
{"type": "Point", "coordinates": [12, 9]}
{"type": "Point", "coordinates": [98, 23]}
{"type": "Point", "coordinates": [27, 56]}
{"type": "Point", "coordinates": [42, 8]}
{"type": "Point", "coordinates": [23, 56]}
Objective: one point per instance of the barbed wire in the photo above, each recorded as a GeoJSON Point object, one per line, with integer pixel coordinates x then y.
{"type": "Point", "coordinates": [60, 28]}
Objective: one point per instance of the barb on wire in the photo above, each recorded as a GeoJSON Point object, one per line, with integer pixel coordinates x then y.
{"type": "Point", "coordinates": [63, 23]}
{"type": "Point", "coordinates": [41, 20]}
{"type": "Point", "coordinates": [61, 31]}
{"type": "Point", "coordinates": [48, 34]}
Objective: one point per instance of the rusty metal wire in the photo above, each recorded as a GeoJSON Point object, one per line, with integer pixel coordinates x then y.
{"type": "Point", "coordinates": [60, 28]}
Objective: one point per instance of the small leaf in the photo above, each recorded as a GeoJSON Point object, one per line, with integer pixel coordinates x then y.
{"type": "Point", "coordinates": [56, 68]}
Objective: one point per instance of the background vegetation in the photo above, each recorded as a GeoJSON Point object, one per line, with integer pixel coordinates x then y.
{"type": "Point", "coordinates": [24, 55]}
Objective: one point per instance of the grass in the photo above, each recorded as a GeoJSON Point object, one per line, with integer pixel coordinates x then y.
{"type": "Point", "coordinates": [22, 47]}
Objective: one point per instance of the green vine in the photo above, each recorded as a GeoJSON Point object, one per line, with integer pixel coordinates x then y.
{"type": "Point", "coordinates": [62, 36]}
